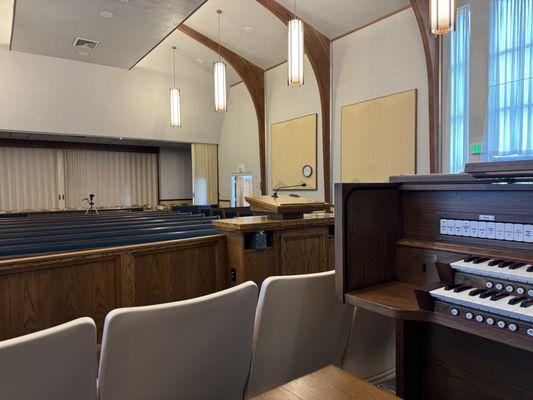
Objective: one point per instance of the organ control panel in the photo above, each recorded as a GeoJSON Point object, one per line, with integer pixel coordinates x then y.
{"type": "Point", "coordinates": [450, 258]}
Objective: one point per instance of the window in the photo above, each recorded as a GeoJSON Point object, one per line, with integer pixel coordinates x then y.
{"type": "Point", "coordinates": [460, 90]}
{"type": "Point", "coordinates": [241, 186]}
{"type": "Point", "coordinates": [509, 128]}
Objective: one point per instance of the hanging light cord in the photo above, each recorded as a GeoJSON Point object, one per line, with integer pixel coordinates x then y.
{"type": "Point", "coordinates": [219, 12]}
{"type": "Point", "coordinates": [174, 63]}
{"type": "Point", "coordinates": [294, 8]}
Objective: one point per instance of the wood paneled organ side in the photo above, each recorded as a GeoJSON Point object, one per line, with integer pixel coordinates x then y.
{"type": "Point", "coordinates": [391, 256]}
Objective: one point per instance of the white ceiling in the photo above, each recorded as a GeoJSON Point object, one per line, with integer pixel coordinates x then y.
{"type": "Point", "coordinates": [334, 18]}
{"type": "Point", "coordinates": [50, 27]}
{"type": "Point", "coordinates": [196, 54]}
{"type": "Point", "coordinates": [265, 46]}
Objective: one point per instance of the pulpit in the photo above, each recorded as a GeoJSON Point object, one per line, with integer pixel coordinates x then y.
{"type": "Point", "coordinates": [295, 237]}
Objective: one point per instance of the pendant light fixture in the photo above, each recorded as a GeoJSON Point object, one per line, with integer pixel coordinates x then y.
{"type": "Point", "coordinates": [442, 14]}
{"type": "Point", "coordinates": [175, 103]}
{"type": "Point", "coordinates": [219, 74]}
{"type": "Point", "coordinates": [296, 51]}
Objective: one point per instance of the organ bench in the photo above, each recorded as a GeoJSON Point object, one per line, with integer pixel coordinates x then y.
{"type": "Point", "coordinates": [461, 297]}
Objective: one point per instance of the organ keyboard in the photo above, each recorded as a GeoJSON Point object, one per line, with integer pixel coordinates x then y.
{"type": "Point", "coordinates": [462, 298]}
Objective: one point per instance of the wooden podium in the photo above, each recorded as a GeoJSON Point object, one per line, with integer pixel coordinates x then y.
{"type": "Point", "coordinates": [284, 207]}
{"type": "Point", "coordinates": [295, 239]}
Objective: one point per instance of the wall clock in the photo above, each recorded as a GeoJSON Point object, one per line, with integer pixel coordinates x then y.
{"type": "Point", "coordinates": [307, 170]}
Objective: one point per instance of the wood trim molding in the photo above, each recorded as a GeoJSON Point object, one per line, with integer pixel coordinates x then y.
{"type": "Point", "coordinates": [65, 145]}
{"type": "Point", "coordinates": [317, 48]}
{"type": "Point", "coordinates": [431, 51]}
{"type": "Point", "coordinates": [254, 79]}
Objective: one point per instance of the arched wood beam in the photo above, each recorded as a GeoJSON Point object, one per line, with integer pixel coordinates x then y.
{"type": "Point", "coordinates": [254, 79]}
{"type": "Point", "coordinates": [431, 50]}
{"type": "Point", "coordinates": [317, 48]}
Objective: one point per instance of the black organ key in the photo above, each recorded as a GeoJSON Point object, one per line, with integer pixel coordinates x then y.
{"type": "Point", "coordinates": [452, 286]}
{"type": "Point", "coordinates": [492, 263]}
{"type": "Point", "coordinates": [480, 260]}
{"type": "Point", "coordinates": [529, 269]}
{"type": "Point", "coordinates": [505, 264]}
{"type": "Point", "coordinates": [470, 259]}
{"type": "Point", "coordinates": [477, 292]}
{"type": "Point", "coordinates": [499, 296]}
{"type": "Point", "coordinates": [517, 300]}
{"type": "Point", "coordinates": [462, 288]}
{"type": "Point", "coordinates": [516, 265]}
{"type": "Point", "coordinates": [488, 293]}
{"type": "Point", "coordinates": [527, 304]}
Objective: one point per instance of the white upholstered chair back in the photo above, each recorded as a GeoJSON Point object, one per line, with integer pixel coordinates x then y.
{"type": "Point", "coordinates": [54, 364]}
{"type": "Point", "coordinates": [193, 349]}
{"type": "Point", "coordinates": [299, 328]}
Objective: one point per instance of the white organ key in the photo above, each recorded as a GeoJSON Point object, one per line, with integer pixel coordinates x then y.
{"type": "Point", "coordinates": [500, 306]}
{"type": "Point", "coordinates": [485, 268]}
{"type": "Point", "coordinates": [491, 230]}
{"type": "Point", "coordinates": [500, 231]}
{"type": "Point", "coordinates": [518, 233]}
{"type": "Point", "coordinates": [474, 228]}
{"type": "Point", "coordinates": [509, 231]}
{"type": "Point", "coordinates": [482, 229]}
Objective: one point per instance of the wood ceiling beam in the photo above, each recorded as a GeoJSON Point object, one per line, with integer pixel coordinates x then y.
{"type": "Point", "coordinates": [317, 48]}
{"type": "Point", "coordinates": [254, 79]}
{"type": "Point", "coordinates": [431, 50]}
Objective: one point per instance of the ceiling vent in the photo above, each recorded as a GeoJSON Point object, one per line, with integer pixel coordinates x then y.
{"type": "Point", "coordinates": [87, 44]}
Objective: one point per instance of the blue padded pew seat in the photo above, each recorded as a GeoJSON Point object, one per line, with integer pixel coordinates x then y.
{"type": "Point", "coordinates": [84, 224]}
{"type": "Point", "coordinates": [24, 251]}
{"type": "Point", "coordinates": [51, 231]}
{"type": "Point", "coordinates": [83, 235]}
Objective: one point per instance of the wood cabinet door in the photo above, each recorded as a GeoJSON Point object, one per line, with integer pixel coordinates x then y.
{"type": "Point", "coordinates": [303, 252]}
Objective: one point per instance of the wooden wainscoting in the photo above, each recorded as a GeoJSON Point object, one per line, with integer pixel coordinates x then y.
{"type": "Point", "coordinates": [303, 252]}
{"type": "Point", "coordinates": [43, 291]}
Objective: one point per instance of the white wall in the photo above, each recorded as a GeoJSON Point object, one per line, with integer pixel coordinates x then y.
{"type": "Point", "coordinates": [381, 59]}
{"type": "Point", "coordinates": [239, 141]}
{"type": "Point", "coordinates": [53, 95]}
{"type": "Point", "coordinates": [284, 103]}
{"type": "Point", "coordinates": [175, 173]}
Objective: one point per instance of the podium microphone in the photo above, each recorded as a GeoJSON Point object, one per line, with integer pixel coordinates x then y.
{"type": "Point", "coordinates": [275, 194]}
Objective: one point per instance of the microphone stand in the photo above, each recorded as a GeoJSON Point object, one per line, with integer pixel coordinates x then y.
{"type": "Point", "coordinates": [275, 194]}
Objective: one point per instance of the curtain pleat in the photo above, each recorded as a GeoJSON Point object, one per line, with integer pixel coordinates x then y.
{"type": "Point", "coordinates": [460, 90]}
{"type": "Point", "coordinates": [509, 128]}
{"type": "Point", "coordinates": [28, 179]}
{"type": "Point", "coordinates": [115, 178]}
{"type": "Point", "coordinates": [204, 173]}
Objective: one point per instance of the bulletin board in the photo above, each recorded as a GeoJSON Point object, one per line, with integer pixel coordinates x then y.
{"type": "Point", "coordinates": [378, 138]}
{"type": "Point", "coordinates": [293, 147]}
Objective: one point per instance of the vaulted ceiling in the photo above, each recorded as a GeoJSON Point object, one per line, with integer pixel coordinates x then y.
{"type": "Point", "coordinates": [137, 26]}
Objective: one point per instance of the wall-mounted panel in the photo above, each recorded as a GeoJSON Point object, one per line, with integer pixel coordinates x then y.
{"type": "Point", "coordinates": [294, 146]}
{"type": "Point", "coordinates": [379, 138]}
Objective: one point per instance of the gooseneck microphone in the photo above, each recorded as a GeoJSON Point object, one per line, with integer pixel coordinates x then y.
{"type": "Point", "coordinates": [275, 194]}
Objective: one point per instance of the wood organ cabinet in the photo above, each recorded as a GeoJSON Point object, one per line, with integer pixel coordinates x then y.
{"type": "Point", "coordinates": [450, 258]}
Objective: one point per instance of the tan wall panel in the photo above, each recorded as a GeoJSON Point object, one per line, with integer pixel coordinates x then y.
{"type": "Point", "coordinates": [379, 138]}
{"type": "Point", "coordinates": [395, 145]}
{"type": "Point", "coordinates": [293, 146]}
{"type": "Point", "coordinates": [358, 126]}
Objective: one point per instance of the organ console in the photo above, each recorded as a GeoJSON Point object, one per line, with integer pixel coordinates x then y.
{"type": "Point", "coordinates": [450, 258]}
